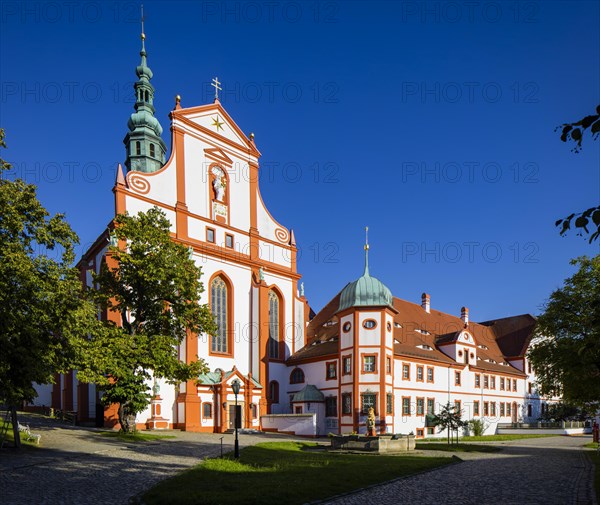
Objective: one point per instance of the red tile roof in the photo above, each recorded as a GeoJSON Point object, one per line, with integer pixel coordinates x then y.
{"type": "Point", "coordinates": [413, 326]}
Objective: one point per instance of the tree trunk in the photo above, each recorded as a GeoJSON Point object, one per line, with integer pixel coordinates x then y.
{"type": "Point", "coordinates": [15, 425]}
{"type": "Point", "coordinates": [124, 418]}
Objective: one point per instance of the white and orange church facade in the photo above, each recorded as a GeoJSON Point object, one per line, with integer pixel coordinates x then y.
{"type": "Point", "coordinates": [299, 372]}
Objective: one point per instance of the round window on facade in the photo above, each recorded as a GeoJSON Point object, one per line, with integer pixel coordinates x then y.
{"type": "Point", "coordinates": [369, 324]}
{"type": "Point", "coordinates": [389, 326]}
{"type": "Point", "coordinates": [347, 326]}
{"type": "Point", "coordinates": [472, 356]}
{"type": "Point", "coordinates": [460, 353]}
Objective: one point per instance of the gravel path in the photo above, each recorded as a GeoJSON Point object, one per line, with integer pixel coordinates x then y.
{"type": "Point", "coordinates": [548, 471]}
{"type": "Point", "coordinates": [75, 466]}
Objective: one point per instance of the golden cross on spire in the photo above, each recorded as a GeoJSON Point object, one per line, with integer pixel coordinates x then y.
{"type": "Point", "coordinates": [366, 238]}
{"type": "Point", "coordinates": [142, 10]}
{"type": "Point", "coordinates": [216, 84]}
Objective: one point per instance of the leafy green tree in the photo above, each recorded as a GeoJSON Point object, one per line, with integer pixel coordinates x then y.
{"type": "Point", "coordinates": [449, 418]}
{"type": "Point", "coordinates": [153, 285]}
{"type": "Point", "coordinates": [574, 132]}
{"type": "Point", "coordinates": [566, 350]}
{"type": "Point", "coordinates": [562, 411]}
{"type": "Point", "coordinates": [43, 311]}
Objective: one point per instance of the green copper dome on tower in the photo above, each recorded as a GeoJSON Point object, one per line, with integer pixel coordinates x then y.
{"type": "Point", "coordinates": [145, 149]}
{"type": "Point", "coordinates": [366, 291]}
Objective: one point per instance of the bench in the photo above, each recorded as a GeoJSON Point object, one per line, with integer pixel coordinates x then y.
{"type": "Point", "coordinates": [24, 429]}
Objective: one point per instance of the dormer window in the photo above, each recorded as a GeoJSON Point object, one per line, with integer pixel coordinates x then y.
{"type": "Point", "coordinates": [481, 346]}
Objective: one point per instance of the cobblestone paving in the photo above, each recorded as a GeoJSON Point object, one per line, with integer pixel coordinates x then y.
{"type": "Point", "coordinates": [548, 471]}
{"type": "Point", "coordinates": [74, 466]}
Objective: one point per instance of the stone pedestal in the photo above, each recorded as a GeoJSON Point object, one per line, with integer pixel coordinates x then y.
{"type": "Point", "coordinates": [156, 421]}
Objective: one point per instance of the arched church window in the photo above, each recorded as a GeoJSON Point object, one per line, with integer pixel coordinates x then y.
{"type": "Point", "coordinates": [274, 391]}
{"type": "Point", "coordinates": [218, 297]}
{"type": "Point", "coordinates": [146, 95]}
{"type": "Point", "coordinates": [297, 376]}
{"type": "Point", "coordinates": [274, 326]}
{"type": "Point", "coordinates": [138, 148]}
{"type": "Point", "coordinates": [152, 150]}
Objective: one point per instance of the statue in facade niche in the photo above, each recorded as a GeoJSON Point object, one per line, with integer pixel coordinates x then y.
{"type": "Point", "coordinates": [219, 184]}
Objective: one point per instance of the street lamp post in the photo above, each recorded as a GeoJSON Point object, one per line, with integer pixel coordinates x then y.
{"type": "Point", "coordinates": [235, 385]}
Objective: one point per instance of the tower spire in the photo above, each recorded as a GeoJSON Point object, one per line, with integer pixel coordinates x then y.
{"type": "Point", "coordinates": [366, 250]}
{"type": "Point", "coordinates": [145, 148]}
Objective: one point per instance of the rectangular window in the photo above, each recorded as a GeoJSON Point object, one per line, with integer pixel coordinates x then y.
{"type": "Point", "coordinates": [254, 410]}
{"type": "Point", "coordinates": [508, 409]}
{"type": "Point", "coordinates": [420, 433]}
{"type": "Point", "coordinates": [486, 409]}
{"type": "Point", "coordinates": [406, 405]}
{"type": "Point", "coordinates": [429, 374]}
{"type": "Point", "coordinates": [430, 431]}
{"type": "Point", "coordinates": [388, 365]}
{"type": "Point", "coordinates": [476, 408]}
{"type": "Point", "coordinates": [501, 383]}
{"type": "Point", "coordinates": [331, 406]}
{"type": "Point", "coordinates": [406, 371]}
{"type": "Point", "coordinates": [298, 409]}
{"type": "Point", "coordinates": [431, 406]}
{"type": "Point", "coordinates": [530, 388]}
{"type": "Point", "coordinates": [210, 235]}
{"type": "Point", "coordinates": [501, 409]}
{"type": "Point", "coordinates": [457, 378]}
{"type": "Point", "coordinates": [477, 380]}
{"type": "Point", "coordinates": [457, 407]}
{"type": "Point", "coordinates": [389, 403]}
{"type": "Point", "coordinates": [152, 151]}
{"type": "Point", "coordinates": [529, 410]}
{"type": "Point", "coordinates": [492, 409]}
{"type": "Point", "coordinates": [369, 364]}
{"type": "Point", "coordinates": [420, 373]}
{"type": "Point", "coordinates": [346, 403]}
{"type": "Point", "coordinates": [420, 406]}
{"type": "Point", "coordinates": [347, 362]}
{"type": "Point", "coordinates": [492, 382]}
{"type": "Point", "coordinates": [207, 410]}
{"type": "Point", "coordinates": [331, 370]}
{"type": "Point", "coordinates": [514, 384]}
{"type": "Point", "coordinates": [229, 240]}
{"type": "Point", "coordinates": [368, 401]}
{"type": "Point", "coordinates": [486, 382]}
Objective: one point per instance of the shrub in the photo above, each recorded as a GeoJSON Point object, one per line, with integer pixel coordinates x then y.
{"type": "Point", "coordinates": [478, 427]}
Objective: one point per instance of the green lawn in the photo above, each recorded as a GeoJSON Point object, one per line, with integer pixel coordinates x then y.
{"type": "Point", "coordinates": [591, 445]}
{"type": "Point", "coordinates": [283, 472]}
{"type": "Point", "coordinates": [595, 457]}
{"type": "Point", "coordinates": [460, 447]}
{"type": "Point", "coordinates": [487, 438]}
{"type": "Point", "coordinates": [137, 436]}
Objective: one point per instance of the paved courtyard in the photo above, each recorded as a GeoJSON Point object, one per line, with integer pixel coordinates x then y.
{"type": "Point", "coordinates": [76, 466]}
{"type": "Point", "coordinates": [548, 471]}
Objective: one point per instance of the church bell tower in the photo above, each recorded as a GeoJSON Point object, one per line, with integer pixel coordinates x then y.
{"type": "Point", "coordinates": [145, 148]}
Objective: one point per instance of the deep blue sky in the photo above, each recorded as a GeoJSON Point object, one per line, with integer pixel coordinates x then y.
{"type": "Point", "coordinates": [430, 122]}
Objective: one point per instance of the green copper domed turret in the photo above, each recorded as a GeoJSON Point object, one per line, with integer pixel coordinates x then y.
{"type": "Point", "coordinates": [145, 149]}
{"type": "Point", "coordinates": [366, 291]}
